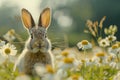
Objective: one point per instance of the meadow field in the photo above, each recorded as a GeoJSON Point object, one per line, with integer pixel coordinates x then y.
{"type": "Point", "coordinates": [94, 59]}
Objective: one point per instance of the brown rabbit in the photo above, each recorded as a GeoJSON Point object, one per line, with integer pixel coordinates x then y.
{"type": "Point", "coordinates": [37, 48]}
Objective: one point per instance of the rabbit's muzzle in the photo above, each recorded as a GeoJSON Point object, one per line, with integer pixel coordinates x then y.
{"type": "Point", "coordinates": [39, 45]}
{"type": "Point", "coordinates": [38, 41]}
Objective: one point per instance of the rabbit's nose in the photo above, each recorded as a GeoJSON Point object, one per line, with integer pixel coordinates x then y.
{"type": "Point", "coordinates": [39, 46]}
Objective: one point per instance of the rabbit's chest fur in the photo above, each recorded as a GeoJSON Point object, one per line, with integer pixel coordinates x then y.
{"type": "Point", "coordinates": [31, 59]}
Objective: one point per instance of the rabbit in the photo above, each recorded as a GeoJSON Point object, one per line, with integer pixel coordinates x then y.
{"type": "Point", "coordinates": [38, 47]}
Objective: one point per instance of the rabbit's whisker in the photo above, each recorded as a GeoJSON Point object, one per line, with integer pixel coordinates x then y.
{"type": "Point", "coordinates": [18, 42]}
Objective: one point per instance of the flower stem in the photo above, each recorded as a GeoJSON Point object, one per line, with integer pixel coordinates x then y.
{"type": "Point", "coordinates": [84, 53]}
{"type": "Point", "coordinates": [103, 48]}
{"type": "Point", "coordinates": [100, 32]}
{"type": "Point", "coordinates": [117, 57]}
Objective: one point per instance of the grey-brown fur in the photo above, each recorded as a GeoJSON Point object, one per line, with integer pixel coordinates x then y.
{"type": "Point", "coordinates": [31, 59]}
{"type": "Point", "coordinates": [38, 47]}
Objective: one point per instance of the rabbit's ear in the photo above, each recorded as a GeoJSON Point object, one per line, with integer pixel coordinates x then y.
{"type": "Point", "coordinates": [27, 19]}
{"type": "Point", "coordinates": [45, 18]}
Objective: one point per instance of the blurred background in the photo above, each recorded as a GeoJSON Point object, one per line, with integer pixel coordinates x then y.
{"type": "Point", "coordinates": [68, 17]}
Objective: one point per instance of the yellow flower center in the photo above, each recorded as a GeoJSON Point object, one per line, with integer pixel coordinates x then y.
{"type": "Point", "coordinates": [65, 53]}
{"type": "Point", "coordinates": [115, 46]}
{"type": "Point", "coordinates": [50, 69]}
{"type": "Point", "coordinates": [110, 58]}
{"type": "Point", "coordinates": [110, 38]}
{"type": "Point", "coordinates": [83, 61]}
{"type": "Point", "coordinates": [7, 51]}
{"type": "Point", "coordinates": [68, 60]}
{"type": "Point", "coordinates": [90, 60]}
{"type": "Point", "coordinates": [118, 44]}
{"type": "Point", "coordinates": [75, 77]}
{"type": "Point", "coordinates": [101, 54]}
{"type": "Point", "coordinates": [11, 32]}
{"type": "Point", "coordinates": [103, 43]}
{"type": "Point", "coordinates": [84, 42]}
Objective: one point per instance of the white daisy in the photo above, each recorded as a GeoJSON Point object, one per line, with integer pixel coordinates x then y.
{"type": "Point", "coordinates": [114, 49]}
{"type": "Point", "coordinates": [64, 63]}
{"type": "Point", "coordinates": [100, 58]}
{"type": "Point", "coordinates": [40, 69]}
{"type": "Point", "coordinates": [111, 38]}
{"type": "Point", "coordinates": [89, 62]}
{"type": "Point", "coordinates": [86, 62]}
{"type": "Point", "coordinates": [117, 76]}
{"type": "Point", "coordinates": [111, 58]}
{"type": "Point", "coordinates": [67, 63]}
{"type": "Point", "coordinates": [8, 50]}
{"type": "Point", "coordinates": [2, 59]}
{"type": "Point", "coordinates": [84, 44]}
{"type": "Point", "coordinates": [113, 65]}
{"type": "Point", "coordinates": [83, 61]}
{"type": "Point", "coordinates": [50, 75]}
{"type": "Point", "coordinates": [56, 51]}
{"type": "Point", "coordinates": [75, 77]}
{"type": "Point", "coordinates": [61, 74]}
{"type": "Point", "coordinates": [9, 36]}
{"type": "Point", "coordinates": [65, 53]}
{"type": "Point", "coordinates": [104, 43]}
{"type": "Point", "coordinates": [47, 73]}
{"type": "Point", "coordinates": [100, 54]}
{"type": "Point", "coordinates": [23, 77]}
{"type": "Point", "coordinates": [2, 43]}
{"type": "Point", "coordinates": [50, 69]}
{"type": "Point", "coordinates": [117, 42]}
{"type": "Point", "coordinates": [112, 29]}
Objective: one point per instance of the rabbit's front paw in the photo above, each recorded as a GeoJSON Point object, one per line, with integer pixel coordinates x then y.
{"type": "Point", "coordinates": [35, 50]}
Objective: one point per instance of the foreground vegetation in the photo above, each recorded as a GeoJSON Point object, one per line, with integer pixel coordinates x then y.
{"type": "Point", "coordinates": [69, 64]}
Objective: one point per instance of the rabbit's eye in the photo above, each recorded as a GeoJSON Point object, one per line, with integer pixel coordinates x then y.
{"type": "Point", "coordinates": [46, 35]}
{"type": "Point", "coordinates": [31, 36]}
{"type": "Point", "coordinates": [31, 33]}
